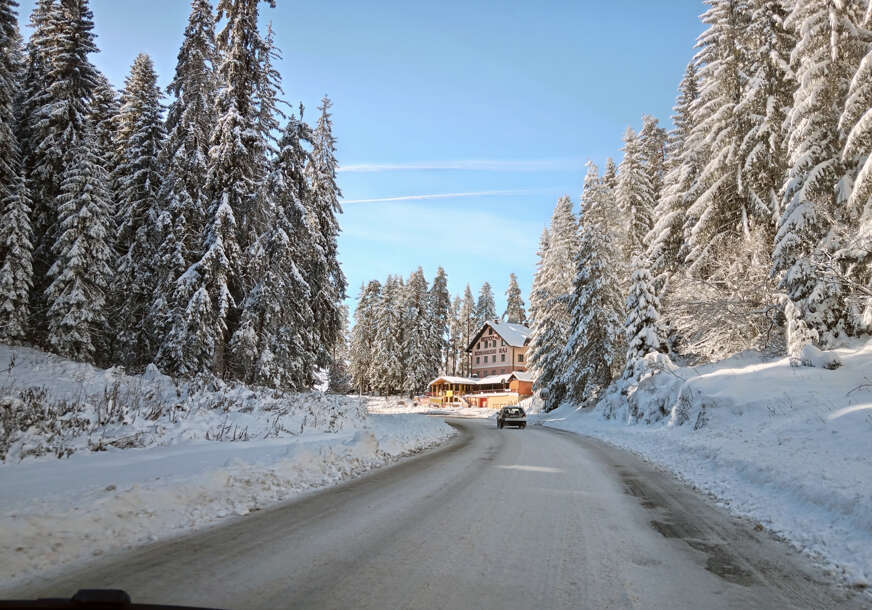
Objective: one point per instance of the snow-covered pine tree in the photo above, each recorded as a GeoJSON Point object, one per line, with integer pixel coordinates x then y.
{"type": "Point", "coordinates": [213, 286]}
{"type": "Point", "coordinates": [439, 307]}
{"type": "Point", "coordinates": [16, 232]}
{"type": "Point", "coordinates": [81, 273]}
{"type": "Point", "coordinates": [468, 329]}
{"type": "Point", "coordinates": [683, 164]}
{"type": "Point", "coordinates": [817, 185]}
{"type": "Point", "coordinates": [641, 328]}
{"type": "Point", "coordinates": [455, 342]}
{"type": "Point", "coordinates": [388, 370]}
{"type": "Point", "coordinates": [137, 179]}
{"type": "Point", "coordinates": [719, 214]}
{"type": "Point", "coordinates": [550, 328]}
{"type": "Point", "coordinates": [652, 142]}
{"type": "Point", "coordinates": [594, 338]}
{"type": "Point", "coordinates": [418, 347]}
{"type": "Point", "coordinates": [327, 279]}
{"type": "Point", "coordinates": [485, 308]}
{"type": "Point", "coordinates": [537, 295]}
{"type": "Point", "coordinates": [60, 86]}
{"type": "Point", "coordinates": [515, 312]}
{"type": "Point", "coordinates": [634, 195]}
{"type": "Point", "coordinates": [339, 376]}
{"type": "Point", "coordinates": [103, 116]}
{"type": "Point", "coordinates": [363, 338]}
{"type": "Point", "coordinates": [766, 99]}
{"type": "Point", "coordinates": [184, 162]}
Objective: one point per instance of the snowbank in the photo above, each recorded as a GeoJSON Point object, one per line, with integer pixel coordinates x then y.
{"type": "Point", "coordinates": [195, 454]}
{"type": "Point", "coordinates": [790, 447]}
{"type": "Point", "coordinates": [386, 405]}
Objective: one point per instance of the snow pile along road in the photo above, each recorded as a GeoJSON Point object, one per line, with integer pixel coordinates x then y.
{"type": "Point", "coordinates": [194, 455]}
{"type": "Point", "coordinates": [387, 405]}
{"type": "Point", "coordinates": [788, 446]}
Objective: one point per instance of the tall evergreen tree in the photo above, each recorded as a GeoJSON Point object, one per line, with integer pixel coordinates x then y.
{"type": "Point", "coordinates": [440, 305]}
{"type": "Point", "coordinates": [550, 328]}
{"type": "Point", "coordinates": [363, 337]}
{"type": "Point", "coordinates": [485, 308]}
{"type": "Point", "coordinates": [82, 272]}
{"type": "Point", "coordinates": [60, 86]}
{"type": "Point", "coordinates": [184, 160]}
{"type": "Point", "coordinates": [591, 351]}
{"type": "Point", "coordinates": [418, 345]}
{"type": "Point", "coordinates": [454, 359]}
{"type": "Point", "coordinates": [635, 195]}
{"type": "Point", "coordinates": [138, 179]}
{"type": "Point", "coordinates": [16, 231]}
{"type": "Point", "coordinates": [468, 329]}
{"type": "Point", "coordinates": [389, 370]}
{"type": "Point", "coordinates": [666, 238]}
{"type": "Point", "coordinates": [815, 192]}
{"type": "Point", "coordinates": [515, 312]}
{"type": "Point", "coordinates": [643, 314]}
{"type": "Point", "coordinates": [328, 281]}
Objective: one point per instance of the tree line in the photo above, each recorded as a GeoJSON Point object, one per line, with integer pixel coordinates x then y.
{"type": "Point", "coordinates": [406, 333]}
{"type": "Point", "coordinates": [201, 236]}
{"type": "Point", "coordinates": [751, 216]}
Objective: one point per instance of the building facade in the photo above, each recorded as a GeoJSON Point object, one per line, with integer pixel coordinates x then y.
{"type": "Point", "coordinates": [498, 348]}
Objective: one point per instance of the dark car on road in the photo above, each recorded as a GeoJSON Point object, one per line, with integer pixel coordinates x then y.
{"type": "Point", "coordinates": [511, 416]}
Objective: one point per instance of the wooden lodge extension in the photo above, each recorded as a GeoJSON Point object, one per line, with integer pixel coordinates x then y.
{"type": "Point", "coordinates": [494, 391]}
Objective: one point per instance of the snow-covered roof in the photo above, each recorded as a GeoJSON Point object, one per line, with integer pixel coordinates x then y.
{"type": "Point", "coordinates": [523, 376]}
{"type": "Point", "coordinates": [515, 335]}
{"type": "Point", "coordinates": [489, 380]}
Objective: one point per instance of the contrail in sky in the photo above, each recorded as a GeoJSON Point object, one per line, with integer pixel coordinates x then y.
{"type": "Point", "coordinates": [450, 195]}
{"type": "Point", "coordinates": [492, 165]}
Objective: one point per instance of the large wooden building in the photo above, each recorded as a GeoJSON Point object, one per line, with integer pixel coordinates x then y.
{"type": "Point", "coordinates": [498, 348]}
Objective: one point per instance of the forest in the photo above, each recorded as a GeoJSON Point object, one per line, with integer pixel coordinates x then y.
{"type": "Point", "coordinates": [200, 235]}
{"type": "Point", "coordinates": [745, 226]}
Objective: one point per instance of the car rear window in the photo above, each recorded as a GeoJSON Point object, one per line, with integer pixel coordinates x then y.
{"type": "Point", "coordinates": [514, 412]}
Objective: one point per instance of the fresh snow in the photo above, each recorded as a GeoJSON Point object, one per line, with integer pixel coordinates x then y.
{"type": "Point", "coordinates": [54, 512]}
{"type": "Point", "coordinates": [787, 446]}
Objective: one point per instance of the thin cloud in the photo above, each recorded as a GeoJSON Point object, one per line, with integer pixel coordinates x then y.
{"type": "Point", "coordinates": [449, 195]}
{"type": "Point", "coordinates": [487, 165]}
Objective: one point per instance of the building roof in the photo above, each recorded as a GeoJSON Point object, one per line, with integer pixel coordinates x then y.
{"type": "Point", "coordinates": [515, 335]}
{"type": "Point", "coordinates": [489, 380]}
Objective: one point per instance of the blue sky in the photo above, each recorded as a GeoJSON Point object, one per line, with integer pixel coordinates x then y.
{"type": "Point", "coordinates": [443, 98]}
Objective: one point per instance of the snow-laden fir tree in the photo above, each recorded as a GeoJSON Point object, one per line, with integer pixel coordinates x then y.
{"type": "Point", "coordinates": [817, 184]}
{"type": "Point", "coordinates": [60, 86]}
{"type": "Point", "coordinates": [634, 195]}
{"type": "Point", "coordinates": [103, 116]}
{"type": "Point", "coordinates": [16, 232]}
{"type": "Point", "coordinates": [550, 329]}
{"type": "Point", "coordinates": [719, 214]}
{"type": "Point", "coordinates": [339, 376]}
{"type": "Point", "coordinates": [683, 165]}
{"type": "Point", "coordinates": [455, 342]}
{"type": "Point", "coordinates": [327, 279]}
{"type": "Point", "coordinates": [766, 99]}
{"type": "Point", "coordinates": [591, 351]}
{"type": "Point", "coordinates": [485, 307]}
{"type": "Point", "coordinates": [363, 337]}
{"type": "Point", "coordinates": [184, 162]}
{"type": "Point", "coordinates": [388, 370]}
{"type": "Point", "coordinates": [418, 346]}
{"type": "Point", "coordinates": [468, 329]}
{"type": "Point", "coordinates": [439, 309]}
{"type": "Point", "coordinates": [515, 312]}
{"type": "Point", "coordinates": [137, 180]}
{"type": "Point", "coordinates": [641, 328]}
{"type": "Point", "coordinates": [652, 142]}
{"type": "Point", "coordinates": [81, 273]}
{"type": "Point", "coordinates": [537, 295]}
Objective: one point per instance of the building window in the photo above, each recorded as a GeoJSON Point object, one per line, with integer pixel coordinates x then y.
{"type": "Point", "coordinates": [485, 359]}
{"type": "Point", "coordinates": [503, 342]}
{"type": "Point", "coordinates": [490, 331]}
{"type": "Point", "coordinates": [477, 360]}
{"type": "Point", "coordinates": [520, 357]}
{"type": "Point", "coordinates": [503, 358]}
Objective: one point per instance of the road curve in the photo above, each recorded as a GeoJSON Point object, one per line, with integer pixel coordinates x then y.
{"type": "Point", "coordinates": [530, 518]}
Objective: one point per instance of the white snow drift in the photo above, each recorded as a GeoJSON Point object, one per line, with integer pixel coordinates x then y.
{"type": "Point", "coordinates": [147, 458]}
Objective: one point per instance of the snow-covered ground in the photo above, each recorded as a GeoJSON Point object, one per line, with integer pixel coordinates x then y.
{"type": "Point", "coordinates": [787, 446]}
{"type": "Point", "coordinates": [146, 458]}
{"type": "Point", "coordinates": [389, 405]}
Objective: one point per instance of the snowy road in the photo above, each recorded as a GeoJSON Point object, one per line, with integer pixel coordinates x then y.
{"type": "Point", "coordinates": [529, 518]}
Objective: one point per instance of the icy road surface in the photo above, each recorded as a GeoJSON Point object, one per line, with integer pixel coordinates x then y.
{"type": "Point", "coordinates": [530, 518]}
